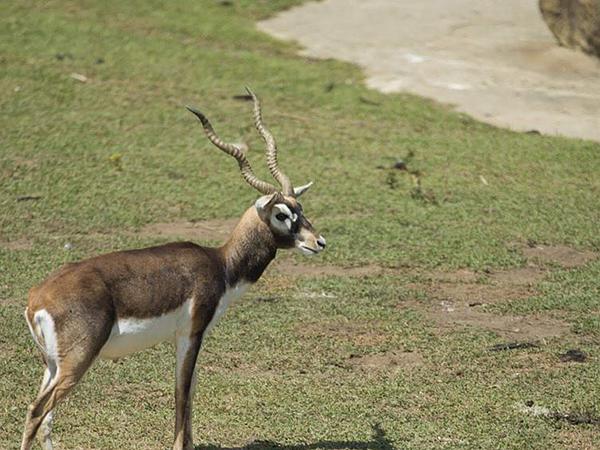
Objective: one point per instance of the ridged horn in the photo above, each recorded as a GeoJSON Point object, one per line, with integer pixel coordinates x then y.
{"type": "Point", "coordinates": [282, 179]}
{"type": "Point", "coordinates": [236, 152]}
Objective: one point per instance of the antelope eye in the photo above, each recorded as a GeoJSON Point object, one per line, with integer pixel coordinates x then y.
{"type": "Point", "coordinates": [281, 217]}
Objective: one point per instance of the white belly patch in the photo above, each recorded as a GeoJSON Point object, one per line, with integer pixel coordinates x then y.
{"type": "Point", "coordinates": [131, 335]}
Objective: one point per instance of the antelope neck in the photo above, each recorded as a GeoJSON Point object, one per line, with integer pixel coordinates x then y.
{"type": "Point", "coordinates": [249, 250]}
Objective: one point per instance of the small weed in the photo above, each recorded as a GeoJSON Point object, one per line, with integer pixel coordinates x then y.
{"type": "Point", "coordinates": [116, 160]}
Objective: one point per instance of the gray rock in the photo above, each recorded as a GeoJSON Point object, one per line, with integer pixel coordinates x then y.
{"type": "Point", "coordinates": [574, 23]}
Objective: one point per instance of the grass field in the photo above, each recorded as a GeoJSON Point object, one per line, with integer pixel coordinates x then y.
{"type": "Point", "coordinates": [385, 341]}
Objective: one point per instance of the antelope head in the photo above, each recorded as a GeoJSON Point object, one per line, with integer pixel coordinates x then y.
{"type": "Point", "coordinates": [278, 208]}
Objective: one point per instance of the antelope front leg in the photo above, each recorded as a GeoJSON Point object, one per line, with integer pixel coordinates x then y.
{"type": "Point", "coordinates": [187, 353]}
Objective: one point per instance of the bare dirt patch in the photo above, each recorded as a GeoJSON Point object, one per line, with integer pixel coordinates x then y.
{"type": "Point", "coordinates": [457, 276]}
{"type": "Point", "coordinates": [234, 362]}
{"type": "Point", "coordinates": [365, 334]}
{"type": "Point", "coordinates": [526, 362]}
{"type": "Point", "coordinates": [390, 361]}
{"type": "Point", "coordinates": [477, 294]}
{"type": "Point", "coordinates": [206, 230]}
{"type": "Point", "coordinates": [19, 244]}
{"type": "Point", "coordinates": [459, 298]}
{"type": "Point", "coordinates": [18, 302]}
{"type": "Point", "coordinates": [288, 266]}
{"type": "Point", "coordinates": [448, 315]}
{"type": "Point", "coordinates": [559, 254]}
{"type": "Point", "coordinates": [456, 305]}
{"type": "Point", "coordinates": [579, 438]}
{"type": "Point", "coordinates": [525, 276]}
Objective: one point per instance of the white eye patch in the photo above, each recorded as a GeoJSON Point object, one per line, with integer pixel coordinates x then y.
{"type": "Point", "coordinates": [291, 217]}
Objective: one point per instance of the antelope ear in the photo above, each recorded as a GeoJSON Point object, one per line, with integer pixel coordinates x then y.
{"type": "Point", "coordinates": [262, 202]}
{"type": "Point", "coordinates": [266, 202]}
{"type": "Point", "coordinates": [298, 191]}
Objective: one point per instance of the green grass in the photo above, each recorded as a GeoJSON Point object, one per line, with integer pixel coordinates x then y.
{"type": "Point", "coordinates": [115, 153]}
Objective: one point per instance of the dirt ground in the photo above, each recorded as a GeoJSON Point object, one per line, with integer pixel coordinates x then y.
{"type": "Point", "coordinates": [496, 61]}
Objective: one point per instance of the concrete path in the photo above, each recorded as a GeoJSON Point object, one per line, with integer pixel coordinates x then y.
{"type": "Point", "coordinates": [495, 60]}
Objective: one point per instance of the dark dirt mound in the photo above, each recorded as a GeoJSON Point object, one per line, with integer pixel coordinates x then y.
{"type": "Point", "coordinates": [390, 361]}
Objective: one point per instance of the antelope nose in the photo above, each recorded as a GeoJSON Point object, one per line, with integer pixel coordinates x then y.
{"type": "Point", "coordinates": [321, 242]}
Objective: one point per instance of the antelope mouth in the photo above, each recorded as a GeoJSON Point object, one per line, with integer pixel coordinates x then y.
{"type": "Point", "coordinates": [307, 250]}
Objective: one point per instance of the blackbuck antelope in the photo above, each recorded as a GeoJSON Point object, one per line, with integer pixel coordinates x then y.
{"type": "Point", "coordinates": [113, 305]}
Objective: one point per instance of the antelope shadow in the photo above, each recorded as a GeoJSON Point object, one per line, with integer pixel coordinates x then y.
{"type": "Point", "coordinates": [379, 441]}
